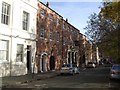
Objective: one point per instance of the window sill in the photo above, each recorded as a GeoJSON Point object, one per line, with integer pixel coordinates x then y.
{"type": "Point", "coordinates": [4, 61]}
{"type": "Point", "coordinates": [19, 63]}
{"type": "Point", "coordinates": [4, 25]}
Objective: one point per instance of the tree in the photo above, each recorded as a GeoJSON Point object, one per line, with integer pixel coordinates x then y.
{"type": "Point", "coordinates": [104, 29]}
{"type": "Point", "coordinates": [111, 12]}
{"type": "Point", "coordinates": [92, 28]}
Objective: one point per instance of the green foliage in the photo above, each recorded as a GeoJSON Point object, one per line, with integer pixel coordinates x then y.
{"type": "Point", "coordinates": [112, 11]}
{"type": "Point", "coordinates": [104, 29]}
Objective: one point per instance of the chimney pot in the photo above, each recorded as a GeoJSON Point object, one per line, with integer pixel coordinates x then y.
{"type": "Point", "coordinates": [66, 20]}
{"type": "Point", "coordinates": [48, 4]}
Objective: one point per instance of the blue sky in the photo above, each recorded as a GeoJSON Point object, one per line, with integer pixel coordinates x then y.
{"type": "Point", "coordinates": [76, 12]}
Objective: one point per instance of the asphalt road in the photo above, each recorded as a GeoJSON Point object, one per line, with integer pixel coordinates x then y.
{"type": "Point", "coordinates": [90, 78]}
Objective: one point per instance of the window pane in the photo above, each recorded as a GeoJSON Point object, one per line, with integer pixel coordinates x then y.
{"type": "Point", "coordinates": [42, 12]}
{"type": "Point", "coordinates": [8, 10]}
{"type": "Point", "coordinates": [50, 35]}
{"type": "Point", "coordinates": [3, 45]}
{"type": "Point", "coordinates": [4, 8]}
{"type": "Point", "coordinates": [51, 17]}
{"type": "Point", "coordinates": [6, 20]}
{"type": "Point", "coordinates": [25, 20]}
{"type": "Point", "coordinates": [5, 13]}
{"type": "Point", "coordinates": [19, 55]}
{"type": "Point", "coordinates": [3, 55]}
{"type": "Point", "coordinates": [57, 36]}
{"type": "Point", "coordinates": [58, 22]}
{"type": "Point", "coordinates": [3, 50]}
{"type": "Point", "coordinates": [42, 31]}
{"type": "Point", "coordinates": [19, 48]}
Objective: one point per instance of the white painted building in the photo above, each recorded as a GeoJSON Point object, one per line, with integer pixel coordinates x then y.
{"type": "Point", "coordinates": [17, 36]}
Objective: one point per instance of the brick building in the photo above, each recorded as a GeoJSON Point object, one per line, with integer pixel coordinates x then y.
{"type": "Point", "coordinates": [88, 51]}
{"type": "Point", "coordinates": [49, 36]}
{"type": "Point", "coordinates": [38, 39]}
{"type": "Point", "coordinates": [57, 40]}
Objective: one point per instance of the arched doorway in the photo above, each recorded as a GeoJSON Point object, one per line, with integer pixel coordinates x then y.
{"type": "Point", "coordinates": [52, 63]}
{"type": "Point", "coordinates": [83, 58]}
{"type": "Point", "coordinates": [68, 57]}
{"type": "Point", "coordinates": [43, 62]}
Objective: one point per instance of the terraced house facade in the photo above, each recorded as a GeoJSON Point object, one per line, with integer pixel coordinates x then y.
{"type": "Point", "coordinates": [35, 38]}
{"type": "Point", "coordinates": [58, 41]}
{"type": "Point", "coordinates": [49, 36]}
{"type": "Point", "coordinates": [17, 36]}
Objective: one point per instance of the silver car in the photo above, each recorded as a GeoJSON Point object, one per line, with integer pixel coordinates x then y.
{"type": "Point", "coordinates": [91, 65]}
{"type": "Point", "coordinates": [115, 71]}
{"type": "Point", "coordinates": [69, 69]}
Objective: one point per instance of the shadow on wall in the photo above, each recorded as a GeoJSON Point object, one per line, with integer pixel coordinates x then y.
{"type": "Point", "coordinates": [18, 69]}
{"type": "Point", "coordinates": [15, 70]}
{"type": "Point", "coordinates": [5, 69]}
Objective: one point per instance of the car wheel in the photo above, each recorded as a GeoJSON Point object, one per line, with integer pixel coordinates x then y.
{"type": "Point", "coordinates": [78, 72]}
{"type": "Point", "coordinates": [73, 73]}
{"type": "Point", "coordinates": [61, 73]}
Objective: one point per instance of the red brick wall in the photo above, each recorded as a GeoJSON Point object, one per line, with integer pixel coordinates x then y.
{"type": "Point", "coordinates": [59, 49]}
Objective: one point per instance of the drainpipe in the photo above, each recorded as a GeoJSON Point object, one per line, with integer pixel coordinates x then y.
{"type": "Point", "coordinates": [11, 38]}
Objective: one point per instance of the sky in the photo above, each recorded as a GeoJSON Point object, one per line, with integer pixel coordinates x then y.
{"type": "Point", "coordinates": [76, 11]}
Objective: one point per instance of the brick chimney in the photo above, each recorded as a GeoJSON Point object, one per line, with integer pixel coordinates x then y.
{"type": "Point", "coordinates": [66, 20]}
{"type": "Point", "coordinates": [48, 4]}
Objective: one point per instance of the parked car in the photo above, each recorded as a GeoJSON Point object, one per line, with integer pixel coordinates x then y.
{"type": "Point", "coordinates": [115, 71]}
{"type": "Point", "coordinates": [69, 69]}
{"type": "Point", "coordinates": [91, 65]}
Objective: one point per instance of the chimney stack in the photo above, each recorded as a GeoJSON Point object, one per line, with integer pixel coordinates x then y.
{"type": "Point", "coordinates": [66, 20]}
{"type": "Point", "coordinates": [48, 4]}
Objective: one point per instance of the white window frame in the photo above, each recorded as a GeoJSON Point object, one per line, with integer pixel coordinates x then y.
{"type": "Point", "coordinates": [5, 13]}
{"type": "Point", "coordinates": [20, 53]}
{"type": "Point", "coordinates": [25, 21]}
{"type": "Point", "coordinates": [4, 48]}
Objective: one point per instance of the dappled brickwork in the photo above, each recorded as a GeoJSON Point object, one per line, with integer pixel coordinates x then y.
{"type": "Point", "coordinates": [57, 39]}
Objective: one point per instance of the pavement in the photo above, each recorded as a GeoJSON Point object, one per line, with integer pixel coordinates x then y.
{"type": "Point", "coordinates": [16, 80]}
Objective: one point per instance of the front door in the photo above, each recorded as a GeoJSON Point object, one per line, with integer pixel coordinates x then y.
{"type": "Point", "coordinates": [43, 61]}
{"type": "Point", "coordinates": [52, 63]}
{"type": "Point", "coordinates": [68, 57]}
{"type": "Point", "coordinates": [29, 59]}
